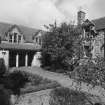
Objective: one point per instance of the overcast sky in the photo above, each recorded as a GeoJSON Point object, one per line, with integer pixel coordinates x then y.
{"type": "Point", "coordinates": [36, 13]}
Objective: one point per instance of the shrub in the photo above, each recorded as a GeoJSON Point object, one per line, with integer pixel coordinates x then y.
{"type": "Point", "coordinates": [35, 79]}
{"type": "Point", "coordinates": [92, 73]}
{"type": "Point", "coordinates": [15, 81]}
{"type": "Point", "coordinates": [64, 96]}
{"type": "Point", "coordinates": [4, 93]}
{"type": "Point", "coordinates": [2, 67]}
{"type": "Point", "coordinates": [4, 96]}
{"type": "Point", "coordinates": [2, 70]}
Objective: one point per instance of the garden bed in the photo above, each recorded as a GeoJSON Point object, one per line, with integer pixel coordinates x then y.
{"type": "Point", "coordinates": [37, 83]}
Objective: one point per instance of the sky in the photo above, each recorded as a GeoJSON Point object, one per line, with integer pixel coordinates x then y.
{"type": "Point", "coordinates": [37, 13]}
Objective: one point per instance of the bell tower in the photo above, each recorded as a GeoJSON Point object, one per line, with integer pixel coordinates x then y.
{"type": "Point", "coordinates": [80, 17]}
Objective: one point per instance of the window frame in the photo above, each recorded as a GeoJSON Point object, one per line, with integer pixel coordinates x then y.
{"type": "Point", "coordinates": [14, 38]}
{"type": "Point", "coordinates": [10, 38]}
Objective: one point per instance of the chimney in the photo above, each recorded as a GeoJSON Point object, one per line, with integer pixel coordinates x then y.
{"type": "Point", "coordinates": [80, 17]}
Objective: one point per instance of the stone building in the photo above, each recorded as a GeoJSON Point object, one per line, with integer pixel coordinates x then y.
{"type": "Point", "coordinates": [93, 35]}
{"type": "Point", "coordinates": [99, 44]}
{"type": "Point", "coordinates": [19, 44]}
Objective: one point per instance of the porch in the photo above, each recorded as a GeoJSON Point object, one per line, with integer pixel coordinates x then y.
{"type": "Point", "coordinates": [18, 55]}
{"type": "Point", "coordinates": [20, 58]}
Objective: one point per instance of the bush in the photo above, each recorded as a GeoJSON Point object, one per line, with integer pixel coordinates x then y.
{"type": "Point", "coordinates": [2, 70]}
{"type": "Point", "coordinates": [35, 80]}
{"type": "Point", "coordinates": [4, 93]}
{"type": "Point", "coordinates": [92, 73]}
{"type": "Point", "coordinates": [15, 81]}
{"type": "Point", "coordinates": [2, 67]}
{"type": "Point", "coordinates": [64, 96]}
{"type": "Point", "coordinates": [4, 96]}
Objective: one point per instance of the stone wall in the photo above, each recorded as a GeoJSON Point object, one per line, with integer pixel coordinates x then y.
{"type": "Point", "coordinates": [35, 98]}
{"type": "Point", "coordinates": [97, 46]}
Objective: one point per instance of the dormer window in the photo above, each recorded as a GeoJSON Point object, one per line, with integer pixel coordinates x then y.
{"type": "Point", "coordinates": [38, 40]}
{"type": "Point", "coordinates": [14, 35]}
{"type": "Point", "coordinates": [15, 38]}
{"type": "Point", "coordinates": [19, 38]}
{"type": "Point", "coordinates": [10, 38]}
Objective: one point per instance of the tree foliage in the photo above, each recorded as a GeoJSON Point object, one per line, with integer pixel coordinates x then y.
{"type": "Point", "coordinates": [59, 46]}
{"type": "Point", "coordinates": [91, 72]}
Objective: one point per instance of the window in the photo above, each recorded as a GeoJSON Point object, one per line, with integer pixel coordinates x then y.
{"type": "Point", "coordinates": [36, 39]}
{"type": "Point", "coordinates": [19, 39]}
{"type": "Point", "coordinates": [39, 41]}
{"type": "Point", "coordinates": [10, 37]}
{"type": "Point", "coordinates": [14, 38]}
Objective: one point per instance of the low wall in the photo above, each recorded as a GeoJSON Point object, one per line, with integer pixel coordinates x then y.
{"type": "Point", "coordinates": [34, 98]}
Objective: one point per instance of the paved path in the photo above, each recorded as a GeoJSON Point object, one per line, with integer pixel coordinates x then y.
{"type": "Point", "coordinates": [65, 81]}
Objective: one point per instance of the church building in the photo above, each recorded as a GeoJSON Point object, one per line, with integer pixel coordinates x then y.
{"type": "Point", "coordinates": [93, 35]}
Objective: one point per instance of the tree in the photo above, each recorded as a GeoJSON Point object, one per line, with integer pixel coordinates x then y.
{"type": "Point", "coordinates": [59, 46]}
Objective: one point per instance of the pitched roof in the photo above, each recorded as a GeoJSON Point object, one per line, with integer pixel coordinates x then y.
{"type": "Point", "coordinates": [87, 22]}
{"type": "Point", "coordinates": [99, 23]}
{"type": "Point", "coordinates": [16, 46]}
{"type": "Point", "coordinates": [27, 32]}
{"type": "Point", "coordinates": [14, 26]}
